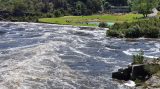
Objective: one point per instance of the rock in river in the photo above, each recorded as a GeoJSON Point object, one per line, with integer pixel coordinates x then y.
{"type": "Point", "coordinates": [133, 72]}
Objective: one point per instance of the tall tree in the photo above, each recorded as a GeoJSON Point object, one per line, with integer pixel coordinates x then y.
{"type": "Point", "coordinates": [144, 6]}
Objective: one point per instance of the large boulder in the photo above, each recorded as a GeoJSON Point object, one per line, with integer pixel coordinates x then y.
{"type": "Point", "coordinates": [139, 72]}
{"type": "Point", "coordinates": [122, 74]}
{"type": "Point", "coordinates": [133, 72]}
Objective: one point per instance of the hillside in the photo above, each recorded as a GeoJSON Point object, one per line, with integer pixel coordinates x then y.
{"type": "Point", "coordinates": [50, 8]}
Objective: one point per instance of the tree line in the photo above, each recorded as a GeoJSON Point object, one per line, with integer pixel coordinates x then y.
{"type": "Point", "coordinates": [50, 8]}
{"type": "Point", "coordinates": [30, 9]}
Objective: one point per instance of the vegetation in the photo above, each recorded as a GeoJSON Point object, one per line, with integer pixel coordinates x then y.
{"type": "Point", "coordinates": [139, 58]}
{"type": "Point", "coordinates": [144, 6]}
{"type": "Point", "coordinates": [29, 9]}
{"type": "Point", "coordinates": [83, 20]}
{"type": "Point", "coordinates": [103, 25]}
{"type": "Point", "coordinates": [148, 28]}
{"type": "Point", "coordinates": [152, 67]}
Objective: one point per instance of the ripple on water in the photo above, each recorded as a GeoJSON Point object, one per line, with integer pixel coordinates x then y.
{"type": "Point", "coordinates": [46, 56]}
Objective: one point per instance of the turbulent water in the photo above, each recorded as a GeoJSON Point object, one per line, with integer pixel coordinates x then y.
{"type": "Point", "coordinates": [45, 56]}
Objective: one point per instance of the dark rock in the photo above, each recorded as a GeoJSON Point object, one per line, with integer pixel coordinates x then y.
{"type": "Point", "coordinates": [139, 72]}
{"type": "Point", "coordinates": [133, 72]}
{"type": "Point", "coordinates": [122, 74]}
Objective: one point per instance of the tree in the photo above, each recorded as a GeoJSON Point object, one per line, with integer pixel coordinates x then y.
{"type": "Point", "coordinates": [57, 13]}
{"type": "Point", "coordinates": [80, 8]}
{"type": "Point", "coordinates": [19, 8]}
{"type": "Point", "coordinates": [103, 4]}
{"type": "Point", "coordinates": [107, 6]}
{"type": "Point", "coordinates": [144, 6]}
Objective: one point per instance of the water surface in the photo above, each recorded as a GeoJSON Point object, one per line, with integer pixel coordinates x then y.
{"type": "Point", "coordinates": [45, 56]}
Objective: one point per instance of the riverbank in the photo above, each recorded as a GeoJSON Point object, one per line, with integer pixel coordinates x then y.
{"type": "Point", "coordinates": [148, 28]}
{"type": "Point", "coordinates": [92, 20]}
{"type": "Point", "coordinates": [144, 72]}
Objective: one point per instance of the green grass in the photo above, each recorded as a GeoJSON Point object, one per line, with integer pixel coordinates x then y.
{"type": "Point", "coordinates": [81, 20]}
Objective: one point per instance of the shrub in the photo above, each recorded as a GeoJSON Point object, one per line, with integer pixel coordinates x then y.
{"type": "Point", "coordinates": [138, 59]}
{"type": "Point", "coordinates": [149, 28]}
{"type": "Point", "coordinates": [103, 25]}
{"type": "Point", "coordinates": [133, 32]}
{"type": "Point", "coordinates": [152, 68]}
{"type": "Point", "coordinates": [49, 15]}
{"type": "Point", "coordinates": [116, 26]}
{"type": "Point", "coordinates": [125, 25]}
{"type": "Point", "coordinates": [113, 33]}
{"type": "Point", "coordinates": [57, 13]}
{"type": "Point", "coordinates": [152, 32]}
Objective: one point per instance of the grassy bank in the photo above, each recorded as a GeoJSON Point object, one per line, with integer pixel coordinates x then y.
{"type": "Point", "coordinates": [148, 28]}
{"type": "Point", "coordinates": [83, 20]}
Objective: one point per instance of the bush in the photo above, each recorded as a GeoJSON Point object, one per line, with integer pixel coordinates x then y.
{"type": "Point", "coordinates": [103, 25]}
{"type": "Point", "coordinates": [152, 68]}
{"type": "Point", "coordinates": [149, 28]}
{"type": "Point", "coordinates": [49, 15]}
{"type": "Point", "coordinates": [152, 32]}
{"type": "Point", "coordinates": [133, 32]}
{"type": "Point", "coordinates": [138, 59]}
{"type": "Point", "coordinates": [116, 26]}
{"type": "Point", "coordinates": [113, 33]}
{"type": "Point", "coordinates": [57, 13]}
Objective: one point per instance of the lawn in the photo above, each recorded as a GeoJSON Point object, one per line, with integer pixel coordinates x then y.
{"type": "Point", "coordinates": [84, 20]}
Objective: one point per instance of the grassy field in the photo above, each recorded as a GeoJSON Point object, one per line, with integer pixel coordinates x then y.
{"type": "Point", "coordinates": [83, 20]}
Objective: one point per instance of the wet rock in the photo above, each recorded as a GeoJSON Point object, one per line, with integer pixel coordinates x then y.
{"type": "Point", "coordinates": [139, 72]}
{"type": "Point", "coordinates": [122, 74]}
{"type": "Point", "coordinates": [133, 72]}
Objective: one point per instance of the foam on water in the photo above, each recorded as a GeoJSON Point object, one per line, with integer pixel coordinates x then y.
{"type": "Point", "coordinates": [130, 83]}
{"type": "Point", "coordinates": [47, 56]}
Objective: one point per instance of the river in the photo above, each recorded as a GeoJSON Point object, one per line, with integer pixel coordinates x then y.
{"type": "Point", "coordinates": [47, 56]}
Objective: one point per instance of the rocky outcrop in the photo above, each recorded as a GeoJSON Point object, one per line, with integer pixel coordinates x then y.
{"type": "Point", "coordinates": [139, 72]}
{"type": "Point", "coordinates": [148, 73]}
{"type": "Point", "coordinates": [122, 74]}
{"type": "Point", "coordinates": [133, 72]}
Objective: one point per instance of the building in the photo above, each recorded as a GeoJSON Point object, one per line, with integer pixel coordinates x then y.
{"type": "Point", "coordinates": [120, 9]}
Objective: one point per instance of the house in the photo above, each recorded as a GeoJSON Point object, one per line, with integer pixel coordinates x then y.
{"type": "Point", "coordinates": [120, 9]}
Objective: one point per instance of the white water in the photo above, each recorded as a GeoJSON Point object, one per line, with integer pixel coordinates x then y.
{"type": "Point", "coordinates": [46, 56]}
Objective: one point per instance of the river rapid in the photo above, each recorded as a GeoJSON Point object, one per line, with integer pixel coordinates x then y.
{"type": "Point", "coordinates": [47, 56]}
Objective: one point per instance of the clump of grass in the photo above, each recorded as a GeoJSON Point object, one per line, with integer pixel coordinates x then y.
{"type": "Point", "coordinates": [139, 58]}
{"type": "Point", "coordinates": [153, 68]}
{"type": "Point", "coordinates": [103, 25]}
